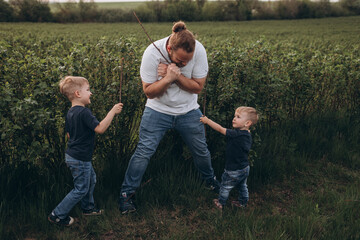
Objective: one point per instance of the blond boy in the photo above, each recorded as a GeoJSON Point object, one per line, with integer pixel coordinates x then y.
{"type": "Point", "coordinates": [237, 149]}
{"type": "Point", "coordinates": [80, 126]}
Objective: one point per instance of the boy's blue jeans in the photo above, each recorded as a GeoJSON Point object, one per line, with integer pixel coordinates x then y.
{"type": "Point", "coordinates": [152, 129]}
{"type": "Point", "coordinates": [84, 183]}
{"type": "Point", "coordinates": [231, 179]}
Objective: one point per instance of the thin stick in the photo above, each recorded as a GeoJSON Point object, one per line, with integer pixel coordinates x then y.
{"type": "Point", "coordinates": [150, 39]}
{"type": "Point", "coordinates": [142, 185]}
{"type": "Point", "coordinates": [121, 77]}
{"type": "Point", "coordinates": [204, 100]}
{"type": "Point", "coordinates": [204, 104]}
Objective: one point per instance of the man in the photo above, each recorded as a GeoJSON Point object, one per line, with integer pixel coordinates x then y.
{"type": "Point", "coordinates": [171, 90]}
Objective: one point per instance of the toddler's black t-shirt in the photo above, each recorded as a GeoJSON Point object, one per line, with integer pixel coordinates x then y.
{"type": "Point", "coordinates": [238, 144]}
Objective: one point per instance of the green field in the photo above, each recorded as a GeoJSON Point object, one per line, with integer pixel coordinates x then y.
{"type": "Point", "coordinates": [302, 75]}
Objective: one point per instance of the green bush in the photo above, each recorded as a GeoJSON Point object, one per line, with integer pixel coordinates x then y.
{"type": "Point", "coordinates": [212, 11]}
{"type": "Point", "coordinates": [352, 5]}
{"type": "Point", "coordinates": [114, 15]}
{"type": "Point", "coordinates": [77, 12]}
{"type": "Point", "coordinates": [146, 13]}
{"type": "Point", "coordinates": [183, 10]}
{"type": "Point", "coordinates": [31, 11]}
{"type": "Point", "coordinates": [6, 12]}
{"type": "Point", "coordinates": [288, 9]}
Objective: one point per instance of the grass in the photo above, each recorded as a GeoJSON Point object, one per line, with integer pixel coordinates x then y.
{"type": "Point", "coordinates": [317, 199]}
{"type": "Point", "coordinates": [321, 202]}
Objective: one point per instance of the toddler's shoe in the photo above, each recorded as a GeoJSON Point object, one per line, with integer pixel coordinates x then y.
{"type": "Point", "coordinates": [218, 204]}
{"type": "Point", "coordinates": [62, 222]}
{"type": "Point", "coordinates": [93, 212]}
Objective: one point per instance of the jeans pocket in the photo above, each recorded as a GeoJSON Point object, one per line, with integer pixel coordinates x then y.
{"type": "Point", "coordinates": [75, 166]}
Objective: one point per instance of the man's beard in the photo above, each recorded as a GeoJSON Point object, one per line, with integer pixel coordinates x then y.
{"type": "Point", "coordinates": [179, 65]}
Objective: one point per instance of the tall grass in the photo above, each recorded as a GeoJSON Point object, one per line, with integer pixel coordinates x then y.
{"type": "Point", "coordinates": [306, 195]}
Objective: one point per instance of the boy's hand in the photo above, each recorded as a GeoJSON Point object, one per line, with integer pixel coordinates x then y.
{"type": "Point", "coordinates": [162, 69]}
{"type": "Point", "coordinates": [204, 119]}
{"type": "Point", "coordinates": [117, 108]}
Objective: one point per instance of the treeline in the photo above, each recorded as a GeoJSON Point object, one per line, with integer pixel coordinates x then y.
{"type": "Point", "coordinates": [172, 10]}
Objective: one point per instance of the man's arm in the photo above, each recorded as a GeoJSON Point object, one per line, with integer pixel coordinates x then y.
{"type": "Point", "coordinates": [156, 89]}
{"type": "Point", "coordinates": [192, 85]}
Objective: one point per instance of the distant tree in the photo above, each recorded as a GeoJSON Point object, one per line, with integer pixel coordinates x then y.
{"type": "Point", "coordinates": [158, 8]}
{"type": "Point", "coordinates": [304, 10]}
{"type": "Point", "coordinates": [288, 9]}
{"type": "Point", "coordinates": [243, 10]}
{"type": "Point", "coordinates": [185, 10]}
{"type": "Point", "coordinates": [322, 9]}
{"type": "Point", "coordinates": [83, 11]}
{"type": "Point", "coordinates": [351, 5]}
{"type": "Point", "coordinates": [6, 12]}
{"type": "Point", "coordinates": [88, 11]}
{"type": "Point", "coordinates": [32, 10]}
{"type": "Point", "coordinates": [200, 3]}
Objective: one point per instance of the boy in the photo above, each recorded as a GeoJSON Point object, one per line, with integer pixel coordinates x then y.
{"type": "Point", "coordinates": [80, 126]}
{"type": "Point", "coordinates": [237, 149]}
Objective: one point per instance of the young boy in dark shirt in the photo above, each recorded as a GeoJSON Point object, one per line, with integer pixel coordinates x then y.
{"type": "Point", "coordinates": [80, 126]}
{"type": "Point", "coordinates": [237, 149]}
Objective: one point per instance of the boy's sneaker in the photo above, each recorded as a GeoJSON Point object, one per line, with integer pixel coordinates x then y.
{"type": "Point", "coordinates": [213, 185]}
{"type": "Point", "coordinates": [237, 204]}
{"type": "Point", "coordinates": [93, 212]}
{"type": "Point", "coordinates": [63, 222]}
{"type": "Point", "coordinates": [126, 203]}
{"type": "Point", "coordinates": [218, 204]}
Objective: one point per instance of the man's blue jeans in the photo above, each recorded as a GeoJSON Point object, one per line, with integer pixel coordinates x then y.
{"type": "Point", "coordinates": [84, 178]}
{"type": "Point", "coordinates": [231, 179]}
{"type": "Point", "coordinates": [152, 129]}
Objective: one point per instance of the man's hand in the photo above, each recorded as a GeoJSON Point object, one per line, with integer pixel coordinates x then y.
{"type": "Point", "coordinates": [173, 73]}
{"type": "Point", "coordinates": [162, 69]}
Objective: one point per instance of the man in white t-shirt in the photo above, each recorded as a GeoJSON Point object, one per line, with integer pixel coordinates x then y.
{"type": "Point", "coordinates": [173, 72]}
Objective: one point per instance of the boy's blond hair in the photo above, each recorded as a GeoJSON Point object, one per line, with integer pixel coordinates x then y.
{"type": "Point", "coordinates": [70, 84]}
{"type": "Point", "coordinates": [251, 112]}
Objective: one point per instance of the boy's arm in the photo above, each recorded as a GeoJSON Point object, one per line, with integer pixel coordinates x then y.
{"type": "Point", "coordinates": [105, 123]}
{"type": "Point", "coordinates": [213, 125]}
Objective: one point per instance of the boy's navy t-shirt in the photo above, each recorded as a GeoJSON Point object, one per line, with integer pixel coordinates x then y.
{"type": "Point", "coordinates": [80, 124]}
{"type": "Point", "coordinates": [237, 149]}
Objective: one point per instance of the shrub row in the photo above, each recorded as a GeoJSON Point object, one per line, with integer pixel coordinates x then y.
{"type": "Point", "coordinates": [163, 11]}
{"type": "Point", "coordinates": [282, 81]}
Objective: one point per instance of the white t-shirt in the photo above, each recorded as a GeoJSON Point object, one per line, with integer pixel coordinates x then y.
{"type": "Point", "coordinates": [174, 101]}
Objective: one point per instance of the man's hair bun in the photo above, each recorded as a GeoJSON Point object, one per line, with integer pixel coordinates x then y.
{"type": "Point", "coordinates": [178, 27]}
